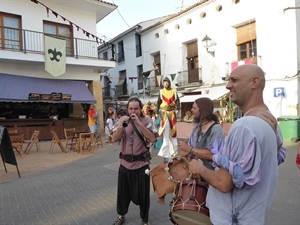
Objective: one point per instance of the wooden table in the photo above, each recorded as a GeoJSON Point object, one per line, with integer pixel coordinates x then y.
{"type": "Point", "coordinates": [75, 139]}
{"type": "Point", "coordinates": [84, 141]}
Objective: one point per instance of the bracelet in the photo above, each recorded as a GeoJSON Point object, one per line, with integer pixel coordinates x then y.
{"type": "Point", "coordinates": [191, 150]}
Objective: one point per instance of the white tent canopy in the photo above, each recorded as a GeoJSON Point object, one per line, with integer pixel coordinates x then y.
{"type": "Point", "coordinates": [214, 93]}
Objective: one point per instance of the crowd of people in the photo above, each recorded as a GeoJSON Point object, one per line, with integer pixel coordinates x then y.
{"type": "Point", "coordinates": [110, 119]}
{"type": "Point", "coordinates": [240, 169]}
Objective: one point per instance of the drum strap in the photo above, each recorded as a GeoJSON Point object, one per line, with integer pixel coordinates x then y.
{"type": "Point", "coordinates": [264, 115]}
{"type": "Point", "coordinates": [147, 154]}
{"type": "Point", "coordinates": [202, 143]}
{"type": "Point", "coordinates": [139, 134]}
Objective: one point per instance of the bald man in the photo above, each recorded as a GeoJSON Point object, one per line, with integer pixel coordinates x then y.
{"type": "Point", "coordinates": [244, 181]}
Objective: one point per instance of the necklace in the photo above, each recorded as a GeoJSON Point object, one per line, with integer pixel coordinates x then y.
{"type": "Point", "coordinates": [204, 123]}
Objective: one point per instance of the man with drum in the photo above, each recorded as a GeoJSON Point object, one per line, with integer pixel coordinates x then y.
{"type": "Point", "coordinates": [207, 133]}
{"type": "Point", "coordinates": [243, 184]}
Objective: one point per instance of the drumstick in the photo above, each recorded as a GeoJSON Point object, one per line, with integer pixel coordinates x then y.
{"type": "Point", "coordinates": [147, 172]}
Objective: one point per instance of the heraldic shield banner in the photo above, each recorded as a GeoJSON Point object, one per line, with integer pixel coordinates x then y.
{"type": "Point", "coordinates": [55, 56]}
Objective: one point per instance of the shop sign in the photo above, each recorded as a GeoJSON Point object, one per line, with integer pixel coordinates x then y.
{"type": "Point", "coordinates": [49, 97]}
{"type": "Point", "coordinates": [34, 96]}
{"type": "Point", "coordinates": [56, 96]}
{"type": "Point", "coordinates": [66, 97]}
{"type": "Point", "coordinates": [46, 97]}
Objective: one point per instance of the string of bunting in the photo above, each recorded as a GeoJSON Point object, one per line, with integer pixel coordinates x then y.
{"type": "Point", "coordinates": [98, 40]}
{"type": "Point", "coordinates": [104, 75]}
{"type": "Point", "coordinates": [132, 78]}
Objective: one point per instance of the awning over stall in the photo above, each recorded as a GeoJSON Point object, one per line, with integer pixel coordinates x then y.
{"type": "Point", "coordinates": [214, 93]}
{"type": "Point", "coordinates": [144, 100]}
{"type": "Point", "coordinates": [14, 88]}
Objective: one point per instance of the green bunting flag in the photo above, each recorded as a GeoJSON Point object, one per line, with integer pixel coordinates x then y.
{"type": "Point", "coordinates": [173, 76]}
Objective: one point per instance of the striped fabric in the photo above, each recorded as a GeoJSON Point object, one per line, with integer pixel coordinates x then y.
{"type": "Point", "coordinates": [168, 107]}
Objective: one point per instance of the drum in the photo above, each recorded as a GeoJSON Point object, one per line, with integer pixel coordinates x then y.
{"type": "Point", "coordinates": [177, 169]}
{"type": "Point", "coordinates": [167, 175]}
{"type": "Point", "coordinates": [188, 203]}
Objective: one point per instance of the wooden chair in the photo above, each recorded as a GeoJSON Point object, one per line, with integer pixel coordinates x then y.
{"type": "Point", "coordinates": [98, 140]}
{"type": "Point", "coordinates": [33, 140]}
{"type": "Point", "coordinates": [86, 143]}
{"type": "Point", "coordinates": [17, 143]}
{"type": "Point", "coordinates": [71, 138]}
{"type": "Point", "coordinates": [56, 140]}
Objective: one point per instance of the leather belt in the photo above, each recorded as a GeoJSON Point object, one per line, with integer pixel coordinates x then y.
{"type": "Point", "coordinates": [132, 158]}
{"type": "Point", "coordinates": [168, 108]}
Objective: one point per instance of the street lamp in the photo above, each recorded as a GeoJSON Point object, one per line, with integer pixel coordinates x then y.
{"type": "Point", "coordinates": [209, 45]}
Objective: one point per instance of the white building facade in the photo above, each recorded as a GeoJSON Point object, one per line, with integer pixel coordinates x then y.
{"type": "Point", "coordinates": [266, 33]}
{"type": "Point", "coordinates": [125, 79]}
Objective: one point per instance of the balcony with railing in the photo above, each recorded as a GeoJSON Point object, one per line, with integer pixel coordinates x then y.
{"type": "Point", "coordinates": [152, 83]}
{"type": "Point", "coordinates": [28, 41]}
{"type": "Point", "coordinates": [180, 79]}
{"type": "Point", "coordinates": [121, 90]}
{"type": "Point", "coordinates": [106, 92]}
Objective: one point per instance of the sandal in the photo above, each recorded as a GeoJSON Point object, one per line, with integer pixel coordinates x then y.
{"type": "Point", "coordinates": [120, 220]}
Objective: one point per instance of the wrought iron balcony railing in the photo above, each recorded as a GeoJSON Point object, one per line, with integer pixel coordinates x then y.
{"type": "Point", "coordinates": [28, 41]}
{"type": "Point", "coordinates": [180, 79]}
{"type": "Point", "coordinates": [108, 92]}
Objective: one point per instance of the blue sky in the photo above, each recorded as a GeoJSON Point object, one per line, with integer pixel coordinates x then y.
{"type": "Point", "coordinates": [135, 11]}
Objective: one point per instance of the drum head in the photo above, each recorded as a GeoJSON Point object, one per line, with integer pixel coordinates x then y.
{"type": "Point", "coordinates": [178, 169]}
{"type": "Point", "coordinates": [187, 217]}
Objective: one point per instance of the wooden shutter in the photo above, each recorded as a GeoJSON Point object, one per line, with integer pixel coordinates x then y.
{"type": "Point", "coordinates": [192, 49]}
{"type": "Point", "coordinates": [246, 33]}
{"type": "Point", "coordinates": [157, 59]}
